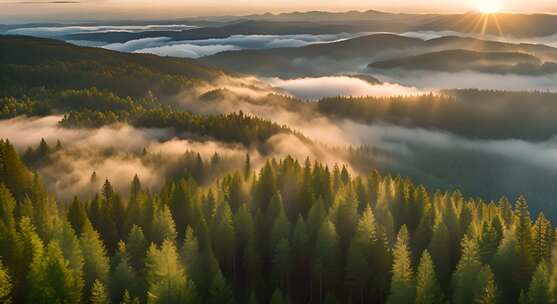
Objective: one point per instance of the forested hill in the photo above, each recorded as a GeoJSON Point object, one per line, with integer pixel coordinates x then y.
{"type": "Point", "coordinates": [27, 63]}
{"type": "Point", "coordinates": [465, 60]}
{"type": "Point", "coordinates": [95, 87]}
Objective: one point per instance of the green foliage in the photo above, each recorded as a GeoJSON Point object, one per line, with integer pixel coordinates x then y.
{"type": "Point", "coordinates": [165, 276]}
{"type": "Point", "coordinates": [539, 291]}
{"type": "Point", "coordinates": [96, 263]}
{"type": "Point", "coordinates": [52, 280]}
{"type": "Point", "coordinates": [6, 285]}
{"type": "Point", "coordinates": [402, 284]}
{"type": "Point", "coordinates": [220, 291]}
{"type": "Point", "coordinates": [233, 127]}
{"type": "Point", "coordinates": [230, 245]}
{"type": "Point", "coordinates": [455, 111]}
{"type": "Point", "coordinates": [99, 294]}
{"type": "Point", "coordinates": [472, 280]}
{"type": "Point", "coordinates": [428, 290]}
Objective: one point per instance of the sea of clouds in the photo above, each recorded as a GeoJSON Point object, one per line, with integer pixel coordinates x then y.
{"type": "Point", "coordinates": [165, 46]}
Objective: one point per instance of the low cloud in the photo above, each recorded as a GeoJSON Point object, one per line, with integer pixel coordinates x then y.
{"type": "Point", "coordinates": [550, 40]}
{"type": "Point", "coordinates": [187, 50]}
{"type": "Point", "coordinates": [429, 80]}
{"type": "Point", "coordinates": [165, 46]}
{"type": "Point", "coordinates": [114, 152]}
{"type": "Point", "coordinates": [319, 87]}
{"type": "Point", "coordinates": [118, 152]}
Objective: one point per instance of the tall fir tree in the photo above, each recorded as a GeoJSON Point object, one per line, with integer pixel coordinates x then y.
{"type": "Point", "coordinates": [95, 261]}
{"type": "Point", "coordinates": [428, 290]}
{"type": "Point", "coordinates": [539, 290]}
{"type": "Point", "coordinates": [6, 285]}
{"type": "Point", "coordinates": [165, 276]}
{"type": "Point", "coordinates": [402, 283]}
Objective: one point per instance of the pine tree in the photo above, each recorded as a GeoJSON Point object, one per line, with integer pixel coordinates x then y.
{"type": "Point", "coordinates": [13, 173]}
{"type": "Point", "coordinates": [8, 234]}
{"type": "Point", "coordinates": [165, 276]}
{"type": "Point", "coordinates": [424, 231]}
{"type": "Point", "coordinates": [542, 239]}
{"type": "Point", "coordinates": [127, 299]}
{"type": "Point", "coordinates": [77, 215]}
{"type": "Point", "coordinates": [326, 257]}
{"type": "Point", "coordinates": [440, 250]}
{"type": "Point", "coordinates": [427, 286]}
{"type": "Point", "coordinates": [95, 261]}
{"type": "Point", "coordinates": [223, 238]}
{"type": "Point", "coordinates": [5, 285]}
{"type": "Point", "coordinates": [282, 260]}
{"type": "Point", "coordinates": [402, 284]}
{"type": "Point", "coordinates": [99, 294]}
{"type": "Point", "coordinates": [357, 270]}
{"type": "Point", "coordinates": [220, 292]}
{"type": "Point", "coordinates": [505, 262]}
{"type": "Point", "coordinates": [244, 230]}
{"type": "Point", "coordinates": [123, 277]}
{"type": "Point", "coordinates": [344, 215]}
{"type": "Point", "coordinates": [281, 228]}
{"type": "Point", "coordinates": [489, 293]}
{"type": "Point", "coordinates": [51, 279]}
{"type": "Point", "coordinates": [307, 194]}
{"type": "Point", "coordinates": [539, 291]}
{"type": "Point", "coordinates": [136, 245]}
{"type": "Point", "coordinates": [467, 285]}
{"type": "Point", "coordinates": [163, 227]}
{"type": "Point", "coordinates": [71, 248]}
{"type": "Point", "coordinates": [488, 242]}
{"type": "Point", "coordinates": [522, 224]}
{"type": "Point", "coordinates": [31, 248]}
{"type": "Point", "coordinates": [265, 188]}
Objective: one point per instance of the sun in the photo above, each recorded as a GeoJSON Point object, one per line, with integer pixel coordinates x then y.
{"type": "Point", "coordinates": [488, 6]}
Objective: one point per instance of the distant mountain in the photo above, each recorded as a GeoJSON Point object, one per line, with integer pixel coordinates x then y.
{"type": "Point", "coordinates": [249, 27]}
{"type": "Point", "coordinates": [466, 60]}
{"type": "Point", "coordinates": [355, 54]}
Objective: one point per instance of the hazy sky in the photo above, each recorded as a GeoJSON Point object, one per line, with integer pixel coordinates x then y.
{"type": "Point", "coordinates": [42, 10]}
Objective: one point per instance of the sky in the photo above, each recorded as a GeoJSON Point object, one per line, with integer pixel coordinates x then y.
{"type": "Point", "coordinates": [18, 11]}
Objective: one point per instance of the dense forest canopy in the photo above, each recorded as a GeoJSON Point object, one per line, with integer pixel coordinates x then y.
{"type": "Point", "coordinates": [289, 232]}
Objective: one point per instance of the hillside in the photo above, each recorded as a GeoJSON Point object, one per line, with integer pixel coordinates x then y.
{"type": "Point", "coordinates": [466, 60]}
{"type": "Point", "coordinates": [27, 63]}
